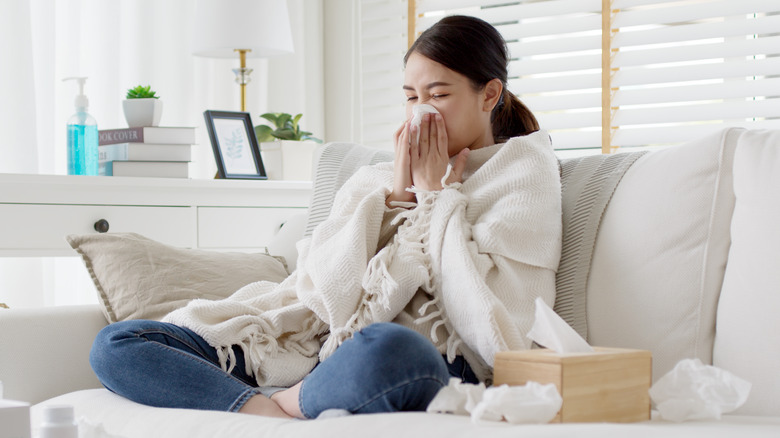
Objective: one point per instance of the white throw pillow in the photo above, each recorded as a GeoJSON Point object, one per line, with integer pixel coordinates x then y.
{"type": "Point", "coordinates": [660, 255]}
{"type": "Point", "coordinates": [747, 341]}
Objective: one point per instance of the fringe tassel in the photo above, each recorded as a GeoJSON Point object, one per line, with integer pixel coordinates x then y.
{"type": "Point", "coordinates": [227, 358]}
{"type": "Point", "coordinates": [446, 175]}
{"type": "Point", "coordinates": [435, 327]}
{"type": "Point", "coordinates": [334, 340]}
{"type": "Point", "coordinates": [430, 317]}
{"type": "Point", "coordinates": [453, 342]}
{"type": "Point", "coordinates": [424, 307]}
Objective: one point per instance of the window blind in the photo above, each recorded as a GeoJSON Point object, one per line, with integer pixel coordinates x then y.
{"type": "Point", "coordinates": [555, 66]}
{"type": "Point", "coordinates": [641, 73]}
{"type": "Point", "coordinates": [681, 69]}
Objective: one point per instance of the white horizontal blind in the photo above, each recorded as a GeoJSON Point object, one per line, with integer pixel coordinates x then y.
{"type": "Point", "coordinates": [383, 44]}
{"type": "Point", "coordinates": [682, 69]}
{"type": "Point", "coordinates": [555, 51]}
{"type": "Point", "coordinates": [675, 70]}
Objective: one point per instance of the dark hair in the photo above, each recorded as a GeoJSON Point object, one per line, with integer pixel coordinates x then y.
{"type": "Point", "coordinates": [475, 49]}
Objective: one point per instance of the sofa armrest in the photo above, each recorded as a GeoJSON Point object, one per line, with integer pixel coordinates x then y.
{"type": "Point", "coordinates": [283, 243]}
{"type": "Point", "coordinates": [45, 351]}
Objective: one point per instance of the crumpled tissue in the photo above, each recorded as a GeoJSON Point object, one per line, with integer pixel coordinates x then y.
{"type": "Point", "coordinates": [418, 111]}
{"type": "Point", "coordinates": [457, 398]}
{"type": "Point", "coordinates": [694, 391]}
{"type": "Point", "coordinates": [531, 403]}
{"type": "Point", "coordinates": [551, 331]}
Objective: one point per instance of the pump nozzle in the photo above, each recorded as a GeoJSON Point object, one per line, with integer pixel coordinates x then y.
{"type": "Point", "coordinates": [81, 101]}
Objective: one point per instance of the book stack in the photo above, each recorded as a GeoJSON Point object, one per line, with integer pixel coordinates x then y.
{"type": "Point", "coordinates": [149, 151]}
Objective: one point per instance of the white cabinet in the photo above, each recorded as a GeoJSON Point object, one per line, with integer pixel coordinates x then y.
{"type": "Point", "coordinates": [230, 227]}
{"type": "Point", "coordinates": [38, 211]}
{"type": "Point", "coordinates": [30, 227]}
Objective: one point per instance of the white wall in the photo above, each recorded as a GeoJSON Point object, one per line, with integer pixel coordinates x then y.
{"type": "Point", "coordinates": [341, 73]}
{"type": "Point", "coordinates": [296, 82]}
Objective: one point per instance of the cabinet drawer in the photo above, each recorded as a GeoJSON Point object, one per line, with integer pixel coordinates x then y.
{"type": "Point", "coordinates": [251, 227]}
{"type": "Point", "coordinates": [44, 227]}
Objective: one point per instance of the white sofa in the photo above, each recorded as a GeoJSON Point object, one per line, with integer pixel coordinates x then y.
{"type": "Point", "coordinates": [680, 266]}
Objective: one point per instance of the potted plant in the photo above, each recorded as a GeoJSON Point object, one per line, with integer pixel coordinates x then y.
{"type": "Point", "coordinates": [286, 149]}
{"type": "Point", "coordinates": [142, 107]}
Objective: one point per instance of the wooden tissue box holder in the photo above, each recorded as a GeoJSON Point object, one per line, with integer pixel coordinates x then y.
{"type": "Point", "coordinates": [608, 385]}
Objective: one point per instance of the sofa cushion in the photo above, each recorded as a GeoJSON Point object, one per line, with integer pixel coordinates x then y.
{"type": "Point", "coordinates": [747, 341]}
{"type": "Point", "coordinates": [139, 278]}
{"type": "Point", "coordinates": [661, 252]}
{"type": "Point", "coordinates": [122, 417]}
{"type": "Point", "coordinates": [587, 184]}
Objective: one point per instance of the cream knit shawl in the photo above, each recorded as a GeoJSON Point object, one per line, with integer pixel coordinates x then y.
{"type": "Point", "coordinates": [475, 254]}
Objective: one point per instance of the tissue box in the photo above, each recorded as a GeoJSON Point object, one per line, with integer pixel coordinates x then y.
{"type": "Point", "coordinates": [14, 419]}
{"type": "Point", "coordinates": [608, 385]}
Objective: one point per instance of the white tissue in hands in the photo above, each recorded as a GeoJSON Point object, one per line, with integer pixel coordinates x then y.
{"type": "Point", "coordinates": [531, 403]}
{"type": "Point", "coordinates": [418, 111]}
{"type": "Point", "coordinates": [551, 331]}
{"type": "Point", "coordinates": [694, 391]}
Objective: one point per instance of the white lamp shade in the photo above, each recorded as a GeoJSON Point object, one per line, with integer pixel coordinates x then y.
{"type": "Point", "coordinates": [222, 26]}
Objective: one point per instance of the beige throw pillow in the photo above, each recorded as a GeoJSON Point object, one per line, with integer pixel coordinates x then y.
{"type": "Point", "coordinates": [139, 278]}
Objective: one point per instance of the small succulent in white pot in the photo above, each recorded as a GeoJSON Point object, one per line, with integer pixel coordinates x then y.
{"type": "Point", "coordinates": [142, 107]}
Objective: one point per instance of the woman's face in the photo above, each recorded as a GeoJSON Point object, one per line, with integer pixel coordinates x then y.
{"type": "Point", "coordinates": [466, 112]}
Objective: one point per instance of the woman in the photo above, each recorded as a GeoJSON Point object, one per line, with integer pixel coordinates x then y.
{"type": "Point", "coordinates": [424, 269]}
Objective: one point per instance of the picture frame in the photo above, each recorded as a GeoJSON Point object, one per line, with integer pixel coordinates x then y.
{"type": "Point", "coordinates": [235, 146]}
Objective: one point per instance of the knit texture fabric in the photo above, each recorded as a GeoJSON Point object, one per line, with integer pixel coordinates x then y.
{"type": "Point", "coordinates": [463, 267]}
{"type": "Point", "coordinates": [587, 185]}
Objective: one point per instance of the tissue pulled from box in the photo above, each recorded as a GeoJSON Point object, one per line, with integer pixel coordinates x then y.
{"type": "Point", "coordinates": [551, 331]}
{"type": "Point", "coordinates": [531, 403]}
{"type": "Point", "coordinates": [418, 111]}
{"type": "Point", "coordinates": [694, 391]}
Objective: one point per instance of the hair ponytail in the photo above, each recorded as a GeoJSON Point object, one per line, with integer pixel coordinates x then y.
{"type": "Point", "coordinates": [475, 49]}
{"type": "Point", "coordinates": [511, 118]}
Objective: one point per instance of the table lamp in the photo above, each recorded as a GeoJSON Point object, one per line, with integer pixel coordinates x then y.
{"type": "Point", "coordinates": [251, 28]}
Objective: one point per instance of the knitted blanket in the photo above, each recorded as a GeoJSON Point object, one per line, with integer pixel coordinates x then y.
{"type": "Point", "coordinates": [478, 253]}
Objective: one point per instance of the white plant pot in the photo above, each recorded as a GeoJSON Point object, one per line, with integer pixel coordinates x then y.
{"type": "Point", "coordinates": [142, 112]}
{"type": "Point", "coordinates": [288, 160]}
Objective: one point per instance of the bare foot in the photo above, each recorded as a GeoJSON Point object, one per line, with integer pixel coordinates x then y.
{"type": "Point", "coordinates": [287, 400]}
{"type": "Point", "coordinates": [262, 405]}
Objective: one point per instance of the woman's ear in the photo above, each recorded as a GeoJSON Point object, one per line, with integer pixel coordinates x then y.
{"type": "Point", "coordinates": [493, 90]}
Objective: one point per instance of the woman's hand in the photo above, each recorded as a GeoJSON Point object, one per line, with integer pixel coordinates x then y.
{"type": "Point", "coordinates": [429, 158]}
{"type": "Point", "coordinates": [402, 175]}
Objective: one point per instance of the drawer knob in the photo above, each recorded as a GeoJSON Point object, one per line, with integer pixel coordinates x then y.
{"type": "Point", "coordinates": [101, 226]}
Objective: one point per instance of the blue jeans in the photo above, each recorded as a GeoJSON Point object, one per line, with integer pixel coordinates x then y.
{"type": "Point", "coordinates": [384, 368]}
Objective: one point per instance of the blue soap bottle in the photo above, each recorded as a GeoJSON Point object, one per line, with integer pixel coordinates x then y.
{"type": "Point", "coordinates": [82, 136]}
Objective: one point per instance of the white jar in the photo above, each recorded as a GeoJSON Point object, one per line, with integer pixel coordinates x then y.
{"type": "Point", "coordinates": [59, 422]}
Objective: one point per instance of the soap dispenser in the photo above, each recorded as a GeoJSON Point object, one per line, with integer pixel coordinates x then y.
{"type": "Point", "coordinates": [82, 136]}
